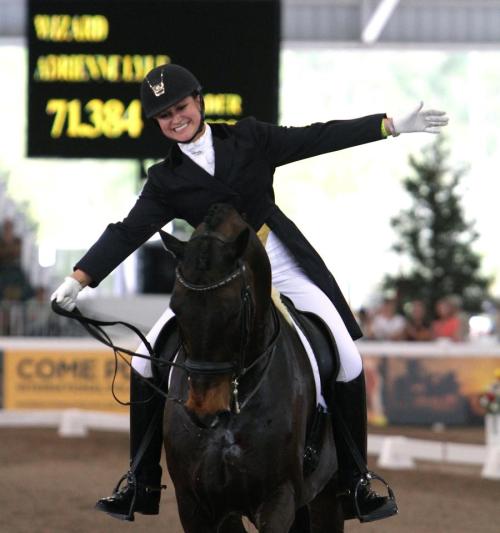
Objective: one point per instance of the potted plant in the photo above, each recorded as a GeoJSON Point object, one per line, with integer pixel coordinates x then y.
{"type": "Point", "coordinates": [490, 401]}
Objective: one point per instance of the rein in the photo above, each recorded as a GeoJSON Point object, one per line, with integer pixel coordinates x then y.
{"type": "Point", "coordinates": [236, 368]}
{"type": "Point", "coordinates": [95, 328]}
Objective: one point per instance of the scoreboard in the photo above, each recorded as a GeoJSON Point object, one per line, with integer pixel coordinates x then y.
{"type": "Point", "coordinates": [87, 59]}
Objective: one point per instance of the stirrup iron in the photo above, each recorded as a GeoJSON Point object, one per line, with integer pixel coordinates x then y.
{"type": "Point", "coordinates": [390, 508]}
{"type": "Point", "coordinates": [132, 484]}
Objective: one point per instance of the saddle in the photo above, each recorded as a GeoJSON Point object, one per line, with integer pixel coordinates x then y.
{"type": "Point", "coordinates": [327, 358]}
{"type": "Point", "coordinates": [321, 340]}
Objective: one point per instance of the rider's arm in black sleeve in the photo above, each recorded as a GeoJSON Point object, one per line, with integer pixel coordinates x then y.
{"type": "Point", "coordinates": [288, 144]}
{"type": "Point", "coordinates": [150, 213]}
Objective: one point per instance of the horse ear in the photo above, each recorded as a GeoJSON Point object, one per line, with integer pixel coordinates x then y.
{"type": "Point", "coordinates": [172, 245]}
{"type": "Point", "coordinates": [240, 243]}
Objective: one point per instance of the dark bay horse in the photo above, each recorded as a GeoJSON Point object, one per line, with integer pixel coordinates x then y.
{"type": "Point", "coordinates": [235, 438]}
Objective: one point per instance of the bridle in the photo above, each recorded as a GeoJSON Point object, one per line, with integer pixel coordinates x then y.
{"type": "Point", "coordinates": [236, 367]}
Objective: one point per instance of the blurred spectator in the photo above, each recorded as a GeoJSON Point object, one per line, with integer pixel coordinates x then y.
{"type": "Point", "coordinates": [10, 245]}
{"type": "Point", "coordinates": [13, 284]}
{"type": "Point", "coordinates": [387, 324]}
{"type": "Point", "coordinates": [448, 323]}
{"type": "Point", "coordinates": [364, 320]}
{"type": "Point", "coordinates": [418, 324]}
{"type": "Point", "coordinates": [34, 318]}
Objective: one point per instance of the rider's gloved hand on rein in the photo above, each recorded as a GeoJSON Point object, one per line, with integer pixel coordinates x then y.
{"type": "Point", "coordinates": [66, 294]}
{"type": "Point", "coordinates": [429, 121]}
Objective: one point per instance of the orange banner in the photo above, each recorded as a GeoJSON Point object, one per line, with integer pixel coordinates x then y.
{"type": "Point", "coordinates": [426, 390]}
{"type": "Point", "coordinates": [60, 379]}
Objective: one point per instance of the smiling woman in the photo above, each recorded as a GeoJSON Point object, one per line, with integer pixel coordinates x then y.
{"type": "Point", "coordinates": [181, 122]}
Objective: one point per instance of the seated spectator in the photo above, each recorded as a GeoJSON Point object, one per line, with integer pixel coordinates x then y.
{"type": "Point", "coordinates": [10, 246]}
{"type": "Point", "coordinates": [13, 283]}
{"type": "Point", "coordinates": [418, 324]}
{"type": "Point", "coordinates": [364, 319]}
{"type": "Point", "coordinates": [387, 324]}
{"type": "Point", "coordinates": [448, 324]}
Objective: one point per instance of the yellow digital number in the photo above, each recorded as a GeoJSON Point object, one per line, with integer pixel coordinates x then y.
{"type": "Point", "coordinates": [133, 123]}
{"type": "Point", "coordinates": [109, 119]}
{"type": "Point", "coordinates": [59, 108]}
{"type": "Point", "coordinates": [77, 128]}
{"type": "Point", "coordinates": [94, 108]}
{"type": "Point", "coordinates": [113, 124]}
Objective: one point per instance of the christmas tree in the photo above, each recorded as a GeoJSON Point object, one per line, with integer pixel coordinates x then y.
{"type": "Point", "coordinates": [434, 238]}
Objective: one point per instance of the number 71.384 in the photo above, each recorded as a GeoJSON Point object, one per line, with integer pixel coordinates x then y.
{"type": "Point", "coordinates": [96, 118]}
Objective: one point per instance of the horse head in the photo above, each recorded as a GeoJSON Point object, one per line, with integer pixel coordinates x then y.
{"type": "Point", "coordinates": [221, 299]}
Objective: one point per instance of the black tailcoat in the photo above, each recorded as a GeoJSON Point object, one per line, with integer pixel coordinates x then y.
{"type": "Point", "coordinates": [246, 156]}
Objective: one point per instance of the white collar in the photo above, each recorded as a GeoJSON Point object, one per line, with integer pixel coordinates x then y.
{"type": "Point", "coordinates": [199, 146]}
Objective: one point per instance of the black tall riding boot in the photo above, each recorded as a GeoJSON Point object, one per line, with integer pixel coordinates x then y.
{"type": "Point", "coordinates": [358, 498]}
{"type": "Point", "coordinates": [142, 490]}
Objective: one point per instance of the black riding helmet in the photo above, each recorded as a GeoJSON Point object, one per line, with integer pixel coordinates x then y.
{"type": "Point", "coordinates": [166, 85]}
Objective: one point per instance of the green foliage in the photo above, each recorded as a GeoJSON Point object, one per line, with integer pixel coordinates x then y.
{"type": "Point", "coordinates": [435, 236]}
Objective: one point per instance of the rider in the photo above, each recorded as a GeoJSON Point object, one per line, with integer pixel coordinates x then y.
{"type": "Point", "coordinates": [235, 164]}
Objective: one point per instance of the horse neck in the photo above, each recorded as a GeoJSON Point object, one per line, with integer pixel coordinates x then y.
{"type": "Point", "coordinates": [261, 332]}
{"type": "Point", "coordinates": [263, 323]}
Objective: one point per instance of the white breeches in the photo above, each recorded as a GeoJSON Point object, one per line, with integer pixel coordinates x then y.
{"type": "Point", "coordinates": [289, 279]}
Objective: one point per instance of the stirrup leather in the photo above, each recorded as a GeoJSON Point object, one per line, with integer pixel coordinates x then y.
{"type": "Point", "coordinates": [390, 508]}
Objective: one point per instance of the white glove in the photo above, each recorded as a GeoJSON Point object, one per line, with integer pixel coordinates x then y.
{"type": "Point", "coordinates": [429, 121]}
{"type": "Point", "coordinates": [66, 294]}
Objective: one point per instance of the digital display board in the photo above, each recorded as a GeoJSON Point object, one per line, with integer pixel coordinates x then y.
{"type": "Point", "coordinates": [87, 59]}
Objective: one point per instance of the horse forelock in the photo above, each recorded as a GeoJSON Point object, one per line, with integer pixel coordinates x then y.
{"type": "Point", "coordinates": [206, 259]}
{"type": "Point", "coordinates": [216, 215]}
{"type": "Point", "coordinates": [204, 254]}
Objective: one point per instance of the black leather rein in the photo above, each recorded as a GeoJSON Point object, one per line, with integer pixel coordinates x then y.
{"type": "Point", "coordinates": [236, 367]}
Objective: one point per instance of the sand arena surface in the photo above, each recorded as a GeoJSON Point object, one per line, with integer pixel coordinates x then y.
{"type": "Point", "coordinates": [49, 485]}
